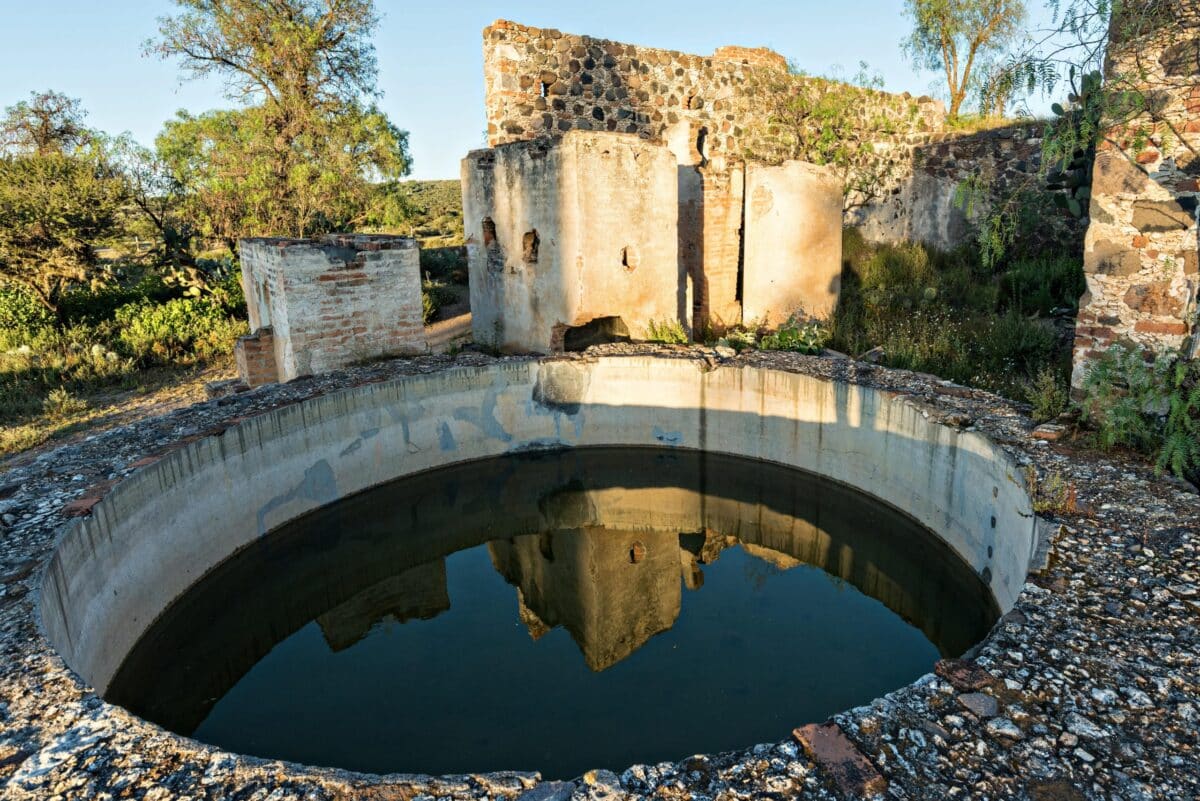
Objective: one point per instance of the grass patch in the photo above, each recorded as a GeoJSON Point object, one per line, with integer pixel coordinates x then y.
{"type": "Point", "coordinates": [135, 336]}
{"type": "Point", "coordinates": [948, 315]}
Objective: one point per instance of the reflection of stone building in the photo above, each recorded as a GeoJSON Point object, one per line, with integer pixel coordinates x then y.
{"type": "Point", "coordinates": [418, 593]}
{"type": "Point", "coordinates": [612, 590]}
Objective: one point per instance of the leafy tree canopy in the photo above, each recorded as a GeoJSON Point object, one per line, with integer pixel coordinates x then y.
{"type": "Point", "coordinates": [241, 182]}
{"type": "Point", "coordinates": [953, 35]}
{"type": "Point", "coordinates": [303, 155]}
{"type": "Point", "coordinates": [49, 122]}
{"type": "Point", "coordinates": [306, 53]}
{"type": "Point", "coordinates": [56, 209]}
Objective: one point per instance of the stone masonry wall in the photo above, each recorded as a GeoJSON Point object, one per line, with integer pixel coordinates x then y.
{"type": "Point", "coordinates": [717, 111]}
{"type": "Point", "coordinates": [1142, 246]}
{"type": "Point", "coordinates": [544, 82]}
{"type": "Point", "coordinates": [330, 302]}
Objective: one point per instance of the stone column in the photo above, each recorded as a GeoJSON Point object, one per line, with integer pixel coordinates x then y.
{"type": "Point", "coordinates": [793, 242]}
{"type": "Point", "coordinates": [1141, 250]}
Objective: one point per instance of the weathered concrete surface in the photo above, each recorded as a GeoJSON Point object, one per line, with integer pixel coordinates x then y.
{"type": "Point", "coordinates": [159, 531]}
{"type": "Point", "coordinates": [925, 209]}
{"type": "Point", "coordinates": [1094, 670]}
{"type": "Point", "coordinates": [562, 234]}
{"type": "Point", "coordinates": [793, 241]}
{"type": "Point", "coordinates": [329, 303]}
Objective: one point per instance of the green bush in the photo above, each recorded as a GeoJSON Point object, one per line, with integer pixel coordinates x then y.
{"type": "Point", "coordinates": [22, 318]}
{"type": "Point", "coordinates": [739, 339]}
{"type": "Point", "coordinates": [181, 330]}
{"type": "Point", "coordinates": [948, 315]}
{"type": "Point", "coordinates": [1151, 406]}
{"type": "Point", "coordinates": [60, 403]}
{"type": "Point", "coordinates": [435, 295]}
{"type": "Point", "coordinates": [797, 335]}
{"type": "Point", "coordinates": [1048, 394]}
{"type": "Point", "coordinates": [670, 332]}
{"type": "Point", "coordinates": [94, 305]}
{"type": "Point", "coordinates": [1041, 285]}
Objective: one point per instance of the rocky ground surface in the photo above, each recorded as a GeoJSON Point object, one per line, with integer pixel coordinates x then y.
{"type": "Point", "coordinates": [1089, 688]}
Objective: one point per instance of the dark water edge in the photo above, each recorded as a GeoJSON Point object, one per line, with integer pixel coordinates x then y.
{"type": "Point", "coordinates": [556, 612]}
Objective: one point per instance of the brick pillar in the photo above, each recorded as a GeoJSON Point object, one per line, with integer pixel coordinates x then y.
{"type": "Point", "coordinates": [334, 301]}
{"type": "Point", "coordinates": [1142, 246]}
{"type": "Point", "coordinates": [255, 354]}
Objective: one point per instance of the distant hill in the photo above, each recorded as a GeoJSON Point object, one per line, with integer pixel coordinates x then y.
{"type": "Point", "coordinates": [436, 217]}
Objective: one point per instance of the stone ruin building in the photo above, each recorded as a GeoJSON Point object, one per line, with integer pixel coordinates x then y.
{"type": "Point", "coordinates": [1142, 247]}
{"type": "Point", "coordinates": [627, 185]}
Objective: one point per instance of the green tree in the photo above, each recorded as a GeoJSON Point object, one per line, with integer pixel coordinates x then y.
{"type": "Point", "coordinates": [952, 35]}
{"type": "Point", "coordinates": [55, 210]}
{"type": "Point", "coordinates": [60, 198]}
{"type": "Point", "coordinates": [302, 155]}
{"type": "Point", "coordinates": [49, 122]}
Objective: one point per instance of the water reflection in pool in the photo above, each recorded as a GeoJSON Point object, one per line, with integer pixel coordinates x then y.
{"type": "Point", "coordinates": [556, 612]}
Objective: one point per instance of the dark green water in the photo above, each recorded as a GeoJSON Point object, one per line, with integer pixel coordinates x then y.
{"type": "Point", "coordinates": [556, 612]}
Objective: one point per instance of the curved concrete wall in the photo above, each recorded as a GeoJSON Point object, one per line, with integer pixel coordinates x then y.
{"type": "Point", "coordinates": [162, 529]}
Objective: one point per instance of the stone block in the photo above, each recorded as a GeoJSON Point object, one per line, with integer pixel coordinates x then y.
{"type": "Point", "coordinates": [1154, 299]}
{"type": "Point", "coordinates": [852, 773]}
{"type": "Point", "coordinates": [320, 305]}
{"type": "Point", "coordinates": [1113, 258]}
{"type": "Point", "coordinates": [793, 241]}
{"type": "Point", "coordinates": [1153, 216]}
{"type": "Point", "coordinates": [1114, 174]}
{"type": "Point", "coordinates": [572, 242]}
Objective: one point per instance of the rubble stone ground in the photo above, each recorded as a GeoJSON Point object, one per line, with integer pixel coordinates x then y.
{"type": "Point", "coordinates": [1088, 688]}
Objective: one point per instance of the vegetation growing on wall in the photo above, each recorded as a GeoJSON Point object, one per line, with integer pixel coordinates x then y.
{"type": "Point", "coordinates": [834, 123]}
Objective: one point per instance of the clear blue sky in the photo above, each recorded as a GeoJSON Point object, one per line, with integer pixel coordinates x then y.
{"type": "Point", "coordinates": [430, 61]}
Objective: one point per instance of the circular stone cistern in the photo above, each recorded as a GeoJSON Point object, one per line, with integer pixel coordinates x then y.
{"type": "Point", "coordinates": [548, 565]}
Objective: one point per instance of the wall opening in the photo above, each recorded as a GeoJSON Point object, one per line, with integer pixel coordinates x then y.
{"type": "Point", "coordinates": [495, 256]}
{"type": "Point", "coordinates": [702, 146]}
{"type": "Point", "coordinates": [630, 258]}
{"type": "Point", "coordinates": [544, 89]}
{"type": "Point", "coordinates": [601, 331]}
{"type": "Point", "coordinates": [529, 247]}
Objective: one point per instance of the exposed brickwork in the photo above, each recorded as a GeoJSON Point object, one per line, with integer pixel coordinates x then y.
{"type": "Point", "coordinates": [255, 354]}
{"type": "Point", "coordinates": [329, 303]}
{"type": "Point", "coordinates": [1142, 244]}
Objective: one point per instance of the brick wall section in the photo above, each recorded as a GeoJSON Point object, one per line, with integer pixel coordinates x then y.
{"type": "Point", "coordinates": [1142, 246]}
{"type": "Point", "coordinates": [334, 301]}
{"type": "Point", "coordinates": [255, 355]}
